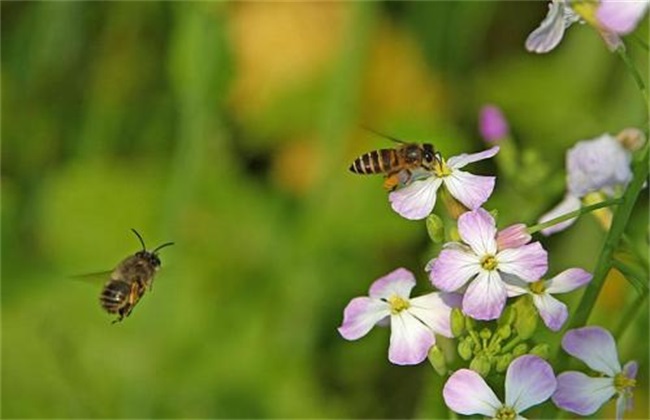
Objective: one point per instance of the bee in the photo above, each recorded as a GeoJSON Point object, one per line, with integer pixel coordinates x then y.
{"type": "Point", "coordinates": [129, 280]}
{"type": "Point", "coordinates": [398, 164]}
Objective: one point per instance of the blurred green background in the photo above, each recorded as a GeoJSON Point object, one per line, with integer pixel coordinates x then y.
{"type": "Point", "coordinates": [228, 128]}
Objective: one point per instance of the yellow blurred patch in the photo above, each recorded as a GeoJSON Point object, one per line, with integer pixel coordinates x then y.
{"type": "Point", "coordinates": [277, 45]}
{"type": "Point", "coordinates": [296, 166]}
{"type": "Point", "coordinates": [612, 296]}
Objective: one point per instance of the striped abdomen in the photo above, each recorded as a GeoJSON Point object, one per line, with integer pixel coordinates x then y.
{"type": "Point", "coordinates": [115, 296]}
{"type": "Point", "coordinates": [376, 162]}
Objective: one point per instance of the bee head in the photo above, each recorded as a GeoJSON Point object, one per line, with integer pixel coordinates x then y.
{"type": "Point", "coordinates": [429, 154]}
{"type": "Point", "coordinates": [151, 257]}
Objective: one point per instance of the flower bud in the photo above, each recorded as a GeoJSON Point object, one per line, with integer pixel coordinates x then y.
{"type": "Point", "coordinates": [437, 360]}
{"type": "Point", "coordinates": [481, 365]}
{"type": "Point", "coordinates": [470, 324]}
{"type": "Point", "coordinates": [457, 322]}
{"type": "Point", "coordinates": [485, 334]}
{"type": "Point", "coordinates": [507, 316]}
{"type": "Point", "coordinates": [435, 228]}
{"type": "Point", "coordinates": [502, 362]}
{"type": "Point", "coordinates": [504, 332]}
{"type": "Point", "coordinates": [520, 349]}
{"type": "Point", "coordinates": [465, 347]}
{"type": "Point", "coordinates": [492, 124]}
{"type": "Point", "coordinates": [632, 139]}
{"type": "Point", "coordinates": [541, 350]}
{"type": "Point", "coordinates": [513, 236]}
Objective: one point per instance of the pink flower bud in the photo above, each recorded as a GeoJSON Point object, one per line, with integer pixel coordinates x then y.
{"type": "Point", "coordinates": [492, 124]}
{"type": "Point", "coordinates": [513, 236]}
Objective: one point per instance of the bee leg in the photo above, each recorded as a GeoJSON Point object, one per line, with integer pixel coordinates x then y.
{"type": "Point", "coordinates": [391, 181]}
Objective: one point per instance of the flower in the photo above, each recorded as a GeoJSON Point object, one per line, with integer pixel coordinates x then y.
{"type": "Point", "coordinates": [529, 381]}
{"type": "Point", "coordinates": [513, 236]}
{"type": "Point", "coordinates": [417, 200]}
{"type": "Point", "coordinates": [553, 312]}
{"type": "Point", "coordinates": [413, 321]}
{"type": "Point", "coordinates": [550, 32]}
{"type": "Point", "coordinates": [492, 124]}
{"type": "Point", "coordinates": [479, 262]}
{"type": "Point", "coordinates": [600, 164]}
{"type": "Point", "coordinates": [582, 394]}
{"type": "Point", "coordinates": [621, 17]}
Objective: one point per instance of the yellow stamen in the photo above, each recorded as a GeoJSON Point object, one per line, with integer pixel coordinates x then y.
{"type": "Point", "coordinates": [489, 263]}
{"type": "Point", "coordinates": [397, 304]}
{"type": "Point", "coordinates": [505, 413]}
{"type": "Point", "coordinates": [622, 382]}
{"type": "Point", "coordinates": [538, 287]}
{"type": "Point", "coordinates": [441, 169]}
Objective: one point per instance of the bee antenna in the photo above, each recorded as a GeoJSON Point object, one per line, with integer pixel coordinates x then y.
{"type": "Point", "coordinates": [161, 247]}
{"type": "Point", "coordinates": [144, 248]}
{"type": "Point", "coordinates": [380, 134]}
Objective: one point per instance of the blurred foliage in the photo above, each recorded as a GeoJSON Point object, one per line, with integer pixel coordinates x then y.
{"type": "Point", "coordinates": [228, 128]}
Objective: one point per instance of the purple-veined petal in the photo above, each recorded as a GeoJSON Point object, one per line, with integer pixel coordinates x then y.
{"type": "Point", "coordinates": [553, 312]}
{"type": "Point", "coordinates": [471, 190]}
{"type": "Point", "coordinates": [621, 16]}
{"type": "Point", "coordinates": [478, 229]}
{"type": "Point", "coordinates": [514, 285]}
{"type": "Point", "coordinates": [623, 403]}
{"type": "Point", "coordinates": [568, 280]}
{"type": "Point", "coordinates": [528, 262]}
{"type": "Point", "coordinates": [513, 236]}
{"type": "Point", "coordinates": [465, 392]}
{"type": "Point", "coordinates": [410, 340]}
{"type": "Point", "coordinates": [457, 162]}
{"type": "Point", "coordinates": [453, 268]}
{"type": "Point", "coordinates": [595, 346]}
{"type": "Point", "coordinates": [434, 310]}
{"type": "Point", "coordinates": [398, 282]}
{"type": "Point", "coordinates": [361, 314]}
{"type": "Point", "coordinates": [550, 32]}
{"type": "Point", "coordinates": [417, 200]}
{"type": "Point", "coordinates": [485, 297]}
{"type": "Point", "coordinates": [569, 204]}
{"type": "Point", "coordinates": [529, 381]}
{"type": "Point", "coordinates": [581, 394]}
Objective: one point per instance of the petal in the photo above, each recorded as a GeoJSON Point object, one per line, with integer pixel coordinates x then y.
{"type": "Point", "coordinates": [485, 297]}
{"type": "Point", "coordinates": [553, 312]}
{"type": "Point", "coordinates": [621, 16]}
{"type": "Point", "coordinates": [630, 369]}
{"type": "Point", "coordinates": [595, 346]}
{"type": "Point", "coordinates": [417, 200]}
{"type": "Point", "coordinates": [568, 280]}
{"type": "Point", "coordinates": [457, 162]}
{"type": "Point", "coordinates": [529, 381]}
{"type": "Point", "coordinates": [581, 394]}
{"type": "Point", "coordinates": [478, 229]}
{"type": "Point", "coordinates": [434, 310]}
{"type": "Point", "coordinates": [528, 262]}
{"type": "Point", "coordinates": [514, 285]}
{"type": "Point", "coordinates": [452, 269]}
{"type": "Point", "coordinates": [465, 392]}
{"type": "Point", "coordinates": [361, 315]}
{"type": "Point", "coordinates": [623, 403]}
{"type": "Point", "coordinates": [471, 190]}
{"type": "Point", "coordinates": [567, 205]}
{"type": "Point", "coordinates": [398, 282]}
{"type": "Point", "coordinates": [550, 32]}
{"type": "Point", "coordinates": [410, 340]}
{"type": "Point", "coordinates": [513, 236]}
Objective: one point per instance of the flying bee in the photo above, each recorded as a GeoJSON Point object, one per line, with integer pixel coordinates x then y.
{"type": "Point", "coordinates": [399, 164]}
{"type": "Point", "coordinates": [129, 280]}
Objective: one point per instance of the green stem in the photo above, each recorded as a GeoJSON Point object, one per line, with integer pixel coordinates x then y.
{"type": "Point", "coordinates": [573, 214]}
{"type": "Point", "coordinates": [635, 74]}
{"type": "Point", "coordinates": [619, 222]}
{"type": "Point", "coordinates": [640, 41]}
{"type": "Point", "coordinates": [634, 276]}
{"type": "Point", "coordinates": [511, 345]}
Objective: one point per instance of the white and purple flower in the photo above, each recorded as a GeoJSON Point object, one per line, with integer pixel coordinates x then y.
{"type": "Point", "coordinates": [529, 381]}
{"type": "Point", "coordinates": [601, 164]}
{"type": "Point", "coordinates": [584, 395]}
{"type": "Point", "coordinates": [481, 263]}
{"type": "Point", "coordinates": [413, 321]}
{"type": "Point", "coordinates": [417, 200]}
{"type": "Point", "coordinates": [553, 312]}
{"type": "Point", "coordinates": [551, 31]}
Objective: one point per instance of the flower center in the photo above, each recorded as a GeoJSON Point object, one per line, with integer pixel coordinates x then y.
{"type": "Point", "coordinates": [397, 304]}
{"type": "Point", "coordinates": [440, 168]}
{"type": "Point", "coordinates": [489, 262]}
{"type": "Point", "coordinates": [537, 287]}
{"type": "Point", "coordinates": [622, 383]}
{"type": "Point", "coordinates": [505, 413]}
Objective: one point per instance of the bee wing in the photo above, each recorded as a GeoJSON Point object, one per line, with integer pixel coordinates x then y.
{"type": "Point", "coordinates": [98, 277]}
